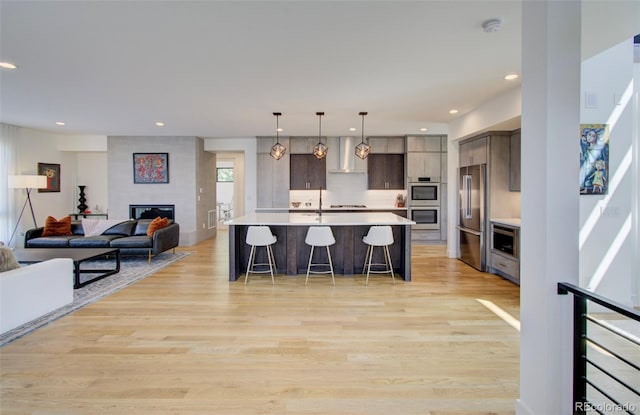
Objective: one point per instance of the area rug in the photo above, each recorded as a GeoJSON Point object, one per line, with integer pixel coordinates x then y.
{"type": "Point", "coordinates": [132, 269]}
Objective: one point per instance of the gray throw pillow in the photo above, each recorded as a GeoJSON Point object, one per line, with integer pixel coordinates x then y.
{"type": "Point", "coordinates": [7, 259]}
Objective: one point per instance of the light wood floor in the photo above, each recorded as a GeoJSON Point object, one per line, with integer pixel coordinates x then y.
{"type": "Point", "coordinates": [186, 341]}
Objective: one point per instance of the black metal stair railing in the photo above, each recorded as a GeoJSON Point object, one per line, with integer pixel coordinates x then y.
{"type": "Point", "coordinates": [606, 359]}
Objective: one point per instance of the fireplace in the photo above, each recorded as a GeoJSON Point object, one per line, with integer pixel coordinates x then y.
{"type": "Point", "coordinates": [152, 211]}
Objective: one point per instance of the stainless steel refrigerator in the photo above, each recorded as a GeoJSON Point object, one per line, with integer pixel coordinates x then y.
{"type": "Point", "coordinates": [472, 206]}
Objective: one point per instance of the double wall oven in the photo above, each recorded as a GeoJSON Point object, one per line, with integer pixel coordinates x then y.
{"type": "Point", "coordinates": [424, 205]}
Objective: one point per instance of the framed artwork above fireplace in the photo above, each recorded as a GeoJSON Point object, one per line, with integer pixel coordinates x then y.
{"type": "Point", "coordinates": [150, 167]}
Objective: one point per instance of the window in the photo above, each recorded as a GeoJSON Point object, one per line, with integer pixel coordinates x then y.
{"type": "Point", "coordinates": [224, 174]}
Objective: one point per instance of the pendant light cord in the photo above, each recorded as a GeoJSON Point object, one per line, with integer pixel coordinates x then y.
{"type": "Point", "coordinates": [320, 114]}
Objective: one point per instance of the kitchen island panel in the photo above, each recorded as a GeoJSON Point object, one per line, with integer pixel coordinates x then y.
{"type": "Point", "coordinates": [292, 253]}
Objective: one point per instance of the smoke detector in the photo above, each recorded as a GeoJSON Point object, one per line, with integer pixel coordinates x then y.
{"type": "Point", "coordinates": [492, 25]}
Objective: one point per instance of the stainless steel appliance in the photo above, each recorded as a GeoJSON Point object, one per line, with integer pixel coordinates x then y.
{"type": "Point", "coordinates": [424, 194]}
{"type": "Point", "coordinates": [504, 239]}
{"type": "Point", "coordinates": [427, 217]}
{"type": "Point", "coordinates": [472, 222]}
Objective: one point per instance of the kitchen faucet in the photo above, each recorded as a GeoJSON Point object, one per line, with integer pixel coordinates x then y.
{"type": "Point", "coordinates": [320, 203]}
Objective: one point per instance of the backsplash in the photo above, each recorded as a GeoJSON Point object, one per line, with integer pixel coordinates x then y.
{"type": "Point", "coordinates": [347, 189]}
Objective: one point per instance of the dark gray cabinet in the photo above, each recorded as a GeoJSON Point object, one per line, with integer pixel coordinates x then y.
{"type": "Point", "coordinates": [386, 171]}
{"type": "Point", "coordinates": [307, 172]}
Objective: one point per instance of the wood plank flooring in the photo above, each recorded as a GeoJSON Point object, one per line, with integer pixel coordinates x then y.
{"type": "Point", "coordinates": [186, 341]}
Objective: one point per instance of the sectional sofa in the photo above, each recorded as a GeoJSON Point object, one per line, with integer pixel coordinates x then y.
{"type": "Point", "coordinates": [130, 236]}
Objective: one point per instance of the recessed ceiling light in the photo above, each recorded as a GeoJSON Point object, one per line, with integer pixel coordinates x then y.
{"type": "Point", "coordinates": [279, 130]}
{"type": "Point", "coordinates": [352, 129]}
{"type": "Point", "coordinates": [7, 65]}
{"type": "Point", "coordinates": [60, 123]}
{"type": "Point", "coordinates": [160, 124]}
{"type": "Point", "coordinates": [454, 111]}
{"type": "Point", "coordinates": [511, 76]}
{"type": "Point", "coordinates": [423, 129]}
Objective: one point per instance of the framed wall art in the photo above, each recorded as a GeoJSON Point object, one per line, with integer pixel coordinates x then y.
{"type": "Point", "coordinates": [151, 167]}
{"type": "Point", "coordinates": [52, 171]}
{"type": "Point", "coordinates": [594, 159]}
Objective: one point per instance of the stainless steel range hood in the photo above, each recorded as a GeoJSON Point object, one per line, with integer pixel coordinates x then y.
{"type": "Point", "coordinates": [346, 157]}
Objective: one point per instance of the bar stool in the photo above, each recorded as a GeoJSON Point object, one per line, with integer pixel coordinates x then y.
{"type": "Point", "coordinates": [260, 236]}
{"type": "Point", "coordinates": [320, 236]}
{"type": "Point", "coordinates": [378, 236]}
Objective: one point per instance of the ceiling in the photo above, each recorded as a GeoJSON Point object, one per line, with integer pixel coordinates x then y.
{"type": "Point", "coordinates": [221, 68]}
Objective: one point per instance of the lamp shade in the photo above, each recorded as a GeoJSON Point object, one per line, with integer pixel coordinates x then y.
{"type": "Point", "coordinates": [27, 181]}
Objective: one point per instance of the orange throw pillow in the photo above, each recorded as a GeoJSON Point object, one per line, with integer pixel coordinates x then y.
{"type": "Point", "coordinates": [53, 227]}
{"type": "Point", "coordinates": [157, 223]}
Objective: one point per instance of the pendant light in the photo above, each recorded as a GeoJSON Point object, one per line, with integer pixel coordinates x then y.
{"type": "Point", "coordinates": [278, 150]}
{"type": "Point", "coordinates": [320, 150]}
{"type": "Point", "coordinates": [362, 149]}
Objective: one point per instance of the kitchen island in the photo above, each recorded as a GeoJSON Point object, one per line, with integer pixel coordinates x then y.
{"type": "Point", "coordinates": [292, 254]}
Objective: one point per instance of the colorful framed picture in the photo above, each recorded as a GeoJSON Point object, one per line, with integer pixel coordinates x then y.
{"type": "Point", "coordinates": [151, 167]}
{"type": "Point", "coordinates": [594, 159]}
{"type": "Point", "coordinates": [52, 171]}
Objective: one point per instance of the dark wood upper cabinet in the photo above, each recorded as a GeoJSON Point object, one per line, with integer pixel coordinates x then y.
{"type": "Point", "coordinates": [307, 172]}
{"type": "Point", "coordinates": [386, 171]}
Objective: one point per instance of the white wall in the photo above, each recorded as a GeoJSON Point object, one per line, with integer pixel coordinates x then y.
{"type": "Point", "coordinates": [500, 113]}
{"type": "Point", "coordinates": [36, 146]}
{"type": "Point", "coordinates": [635, 174]}
{"type": "Point", "coordinates": [91, 171]}
{"type": "Point", "coordinates": [606, 239]}
{"type": "Point", "coordinates": [247, 146]}
{"type": "Point", "coordinates": [91, 168]}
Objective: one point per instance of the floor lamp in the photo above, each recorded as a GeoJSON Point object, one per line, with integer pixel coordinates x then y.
{"type": "Point", "coordinates": [27, 182]}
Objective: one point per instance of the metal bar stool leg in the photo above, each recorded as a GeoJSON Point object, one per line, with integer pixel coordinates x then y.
{"type": "Point", "coordinates": [271, 263]}
{"type": "Point", "coordinates": [333, 278]}
{"type": "Point", "coordinates": [249, 264]}
{"type": "Point", "coordinates": [386, 249]}
{"type": "Point", "coordinates": [370, 251]}
{"type": "Point", "coordinates": [309, 265]}
{"type": "Point", "coordinates": [364, 266]}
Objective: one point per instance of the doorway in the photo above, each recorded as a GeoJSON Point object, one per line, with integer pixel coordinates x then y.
{"type": "Point", "coordinates": [229, 187]}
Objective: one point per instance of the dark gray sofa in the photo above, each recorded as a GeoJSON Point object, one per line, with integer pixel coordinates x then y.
{"type": "Point", "coordinates": [130, 236]}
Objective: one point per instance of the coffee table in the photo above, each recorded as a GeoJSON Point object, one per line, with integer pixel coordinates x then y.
{"type": "Point", "coordinates": [78, 255]}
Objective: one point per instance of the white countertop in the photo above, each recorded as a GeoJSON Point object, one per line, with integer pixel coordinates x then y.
{"type": "Point", "coordinates": [507, 221]}
{"type": "Point", "coordinates": [327, 218]}
{"type": "Point", "coordinates": [330, 209]}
